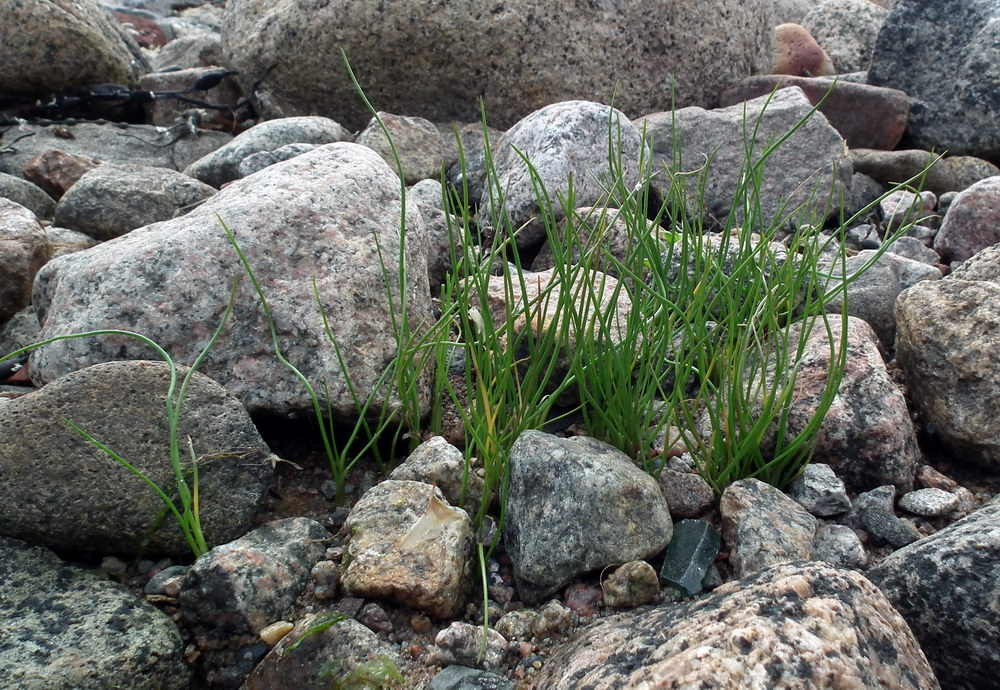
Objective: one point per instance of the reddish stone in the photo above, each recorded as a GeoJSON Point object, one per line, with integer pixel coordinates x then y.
{"type": "Point", "coordinates": [583, 599]}
{"type": "Point", "coordinates": [868, 117]}
{"type": "Point", "coordinates": [972, 222]}
{"type": "Point", "coordinates": [797, 52]}
{"type": "Point", "coordinates": [146, 32]}
{"type": "Point", "coordinates": [56, 171]}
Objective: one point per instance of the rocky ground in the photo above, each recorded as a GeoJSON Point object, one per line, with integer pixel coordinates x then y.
{"type": "Point", "coordinates": [876, 568]}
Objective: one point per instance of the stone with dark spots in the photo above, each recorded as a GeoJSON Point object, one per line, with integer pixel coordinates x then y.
{"type": "Point", "coordinates": [846, 29]}
{"type": "Point", "coordinates": [687, 493]}
{"type": "Point", "coordinates": [954, 84]}
{"type": "Point", "coordinates": [56, 171]}
{"type": "Point", "coordinates": [788, 627]}
{"type": "Point", "coordinates": [866, 116]}
{"type": "Point", "coordinates": [245, 585]}
{"type": "Point", "coordinates": [576, 505]}
{"type": "Point", "coordinates": [946, 587]}
{"type": "Point", "coordinates": [873, 512]}
{"type": "Point", "coordinates": [65, 627]}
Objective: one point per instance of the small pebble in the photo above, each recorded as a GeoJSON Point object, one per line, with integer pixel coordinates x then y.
{"type": "Point", "coordinates": [273, 633]}
{"type": "Point", "coordinates": [929, 502]}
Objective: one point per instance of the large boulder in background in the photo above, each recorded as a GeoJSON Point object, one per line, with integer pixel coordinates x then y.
{"type": "Point", "coordinates": [47, 45]}
{"type": "Point", "coordinates": [332, 215]}
{"type": "Point", "coordinates": [943, 54]}
{"type": "Point", "coordinates": [436, 59]}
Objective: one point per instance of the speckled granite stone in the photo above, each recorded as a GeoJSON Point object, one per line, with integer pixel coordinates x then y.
{"type": "Point", "coordinates": [436, 59]}
{"type": "Point", "coordinates": [789, 627]}
{"type": "Point", "coordinates": [947, 587]}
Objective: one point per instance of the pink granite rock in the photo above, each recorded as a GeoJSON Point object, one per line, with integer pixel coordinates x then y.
{"type": "Point", "coordinates": [797, 52]}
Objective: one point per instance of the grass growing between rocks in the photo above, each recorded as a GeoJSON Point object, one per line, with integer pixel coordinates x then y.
{"type": "Point", "coordinates": [183, 504]}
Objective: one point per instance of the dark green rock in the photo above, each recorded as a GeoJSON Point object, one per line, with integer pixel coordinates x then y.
{"type": "Point", "coordinates": [689, 555]}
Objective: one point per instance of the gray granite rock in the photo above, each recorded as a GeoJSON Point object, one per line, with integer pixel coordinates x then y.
{"type": "Point", "coordinates": [327, 650]}
{"type": "Point", "coordinates": [972, 222]}
{"type": "Point", "coordinates": [984, 265]}
{"type": "Point", "coordinates": [112, 200]}
{"type": "Point", "coordinates": [31, 196]}
{"type": "Point", "coordinates": [437, 462]}
{"type": "Point", "coordinates": [951, 174]}
{"type": "Point", "coordinates": [815, 155]}
{"type": "Point", "coordinates": [912, 248]}
{"type": "Point", "coordinates": [247, 584]}
{"type": "Point", "coordinates": [53, 44]}
{"type": "Point", "coordinates": [564, 142]}
{"type": "Point", "coordinates": [442, 232]}
{"type": "Point", "coordinates": [947, 350]}
{"type": "Point", "coordinates": [409, 546]}
{"type": "Point", "coordinates": [463, 644]}
{"type": "Point", "coordinates": [222, 164]}
{"type": "Point", "coordinates": [256, 162]}
{"type": "Point", "coordinates": [171, 281]}
{"type": "Point", "coordinates": [517, 57]}
{"type": "Point", "coordinates": [953, 84]}
{"type": "Point", "coordinates": [846, 29]}
{"type": "Point", "coordinates": [763, 526]}
{"type": "Point", "coordinates": [873, 512]}
{"type": "Point", "coordinates": [789, 627]}
{"type": "Point", "coordinates": [877, 281]}
{"type": "Point", "coordinates": [456, 677]}
{"type": "Point", "coordinates": [576, 505]}
{"type": "Point", "coordinates": [839, 545]}
{"type": "Point", "coordinates": [194, 49]}
{"type": "Point", "coordinates": [820, 491]}
{"type": "Point", "coordinates": [929, 502]}
{"type": "Point", "coordinates": [24, 249]}
{"type": "Point", "coordinates": [945, 586]}
{"type": "Point", "coordinates": [421, 148]}
{"type": "Point", "coordinates": [102, 506]}
{"type": "Point", "coordinates": [67, 628]}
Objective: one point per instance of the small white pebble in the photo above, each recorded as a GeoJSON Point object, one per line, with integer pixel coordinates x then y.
{"type": "Point", "coordinates": [273, 633]}
{"type": "Point", "coordinates": [929, 502]}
